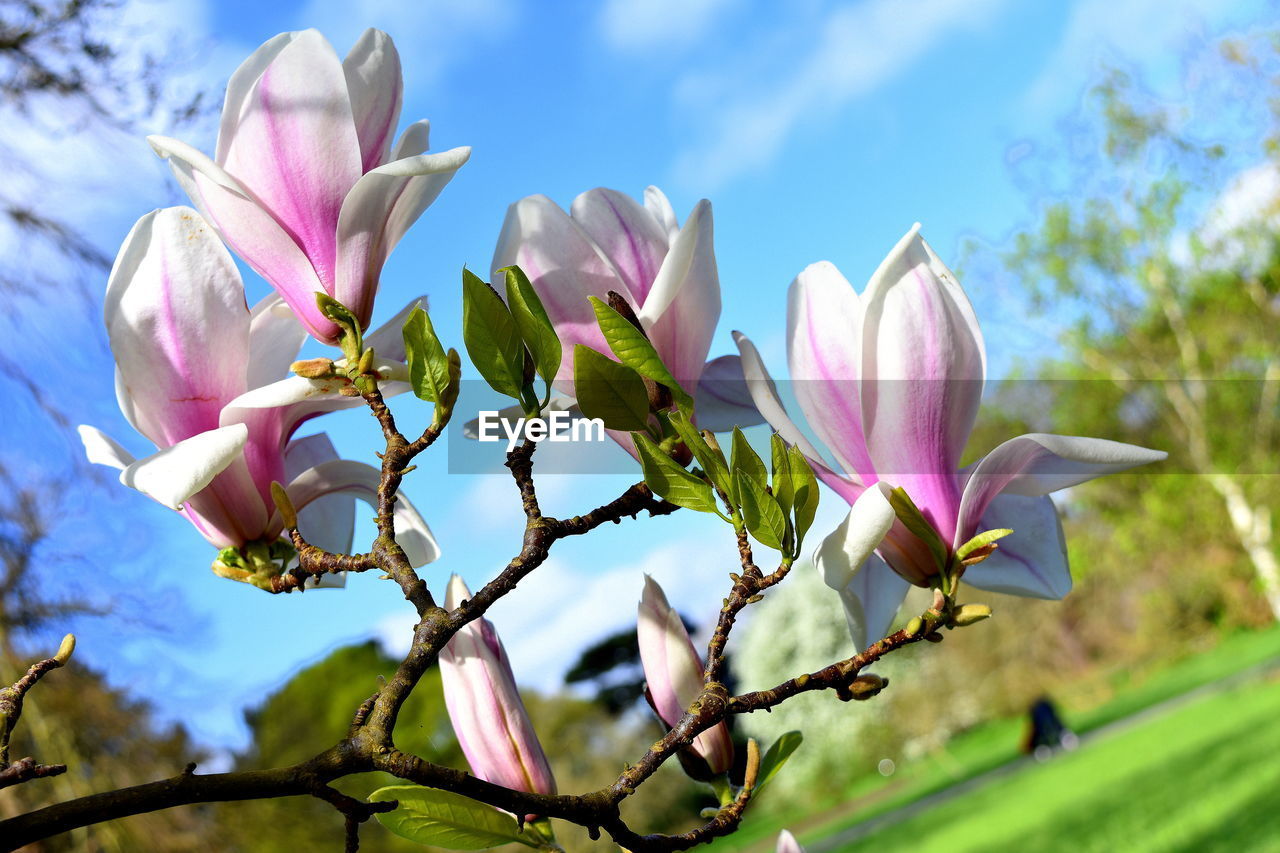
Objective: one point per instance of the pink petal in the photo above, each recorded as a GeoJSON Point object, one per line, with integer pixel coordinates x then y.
{"type": "Point", "coordinates": [294, 146]}
{"type": "Point", "coordinates": [627, 233]}
{"type": "Point", "coordinates": [655, 201]}
{"type": "Point", "coordinates": [765, 396]}
{"type": "Point", "coordinates": [824, 355]}
{"type": "Point", "coordinates": [251, 231]}
{"type": "Point", "coordinates": [564, 267]}
{"type": "Point", "coordinates": [177, 324]}
{"type": "Point", "coordinates": [377, 213]}
{"type": "Point", "coordinates": [174, 474]}
{"type": "Point", "coordinates": [376, 87]}
{"type": "Point", "coordinates": [680, 313]}
{"type": "Point", "coordinates": [923, 367]}
{"type": "Point", "coordinates": [1031, 561]}
{"type": "Point", "coordinates": [1038, 463]}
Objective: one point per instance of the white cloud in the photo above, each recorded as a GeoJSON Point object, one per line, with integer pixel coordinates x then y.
{"type": "Point", "coordinates": [643, 25]}
{"type": "Point", "coordinates": [853, 51]}
{"type": "Point", "coordinates": [430, 34]}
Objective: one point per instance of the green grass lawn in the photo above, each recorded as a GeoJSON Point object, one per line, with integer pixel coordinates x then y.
{"type": "Point", "coordinates": [1203, 777]}
{"type": "Point", "coordinates": [996, 743]}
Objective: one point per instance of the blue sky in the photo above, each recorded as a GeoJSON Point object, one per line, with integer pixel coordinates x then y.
{"type": "Point", "coordinates": [819, 132]}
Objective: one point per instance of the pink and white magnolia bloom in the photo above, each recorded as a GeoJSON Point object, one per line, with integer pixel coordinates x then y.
{"type": "Point", "coordinates": [787, 843]}
{"type": "Point", "coordinates": [305, 184]}
{"type": "Point", "coordinates": [673, 671]}
{"type": "Point", "coordinates": [188, 353]}
{"type": "Point", "coordinates": [485, 707]}
{"type": "Point", "coordinates": [891, 382]}
{"type": "Point", "coordinates": [666, 272]}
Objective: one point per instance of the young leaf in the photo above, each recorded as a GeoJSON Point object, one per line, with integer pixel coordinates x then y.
{"type": "Point", "coordinates": [445, 819]}
{"type": "Point", "coordinates": [534, 325]}
{"type": "Point", "coordinates": [633, 349]}
{"type": "Point", "coordinates": [493, 341]}
{"type": "Point", "coordinates": [428, 363]}
{"type": "Point", "coordinates": [805, 486]}
{"type": "Point", "coordinates": [745, 459]}
{"type": "Point", "coordinates": [711, 460]}
{"type": "Point", "coordinates": [909, 514]}
{"type": "Point", "coordinates": [982, 540]}
{"type": "Point", "coordinates": [671, 482]}
{"type": "Point", "coordinates": [612, 392]}
{"type": "Point", "coordinates": [760, 512]}
{"type": "Point", "coordinates": [783, 487]}
{"type": "Point", "coordinates": [776, 756]}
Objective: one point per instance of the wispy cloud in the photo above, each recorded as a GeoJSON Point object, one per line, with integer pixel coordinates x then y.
{"type": "Point", "coordinates": [430, 34]}
{"type": "Point", "coordinates": [847, 53]}
{"type": "Point", "coordinates": [644, 25]}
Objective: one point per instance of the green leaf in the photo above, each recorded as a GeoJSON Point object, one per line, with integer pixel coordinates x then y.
{"type": "Point", "coordinates": [634, 350]}
{"type": "Point", "coordinates": [776, 756]}
{"type": "Point", "coordinates": [711, 460]}
{"type": "Point", "coordinates": [671, 482]}
{"type": "Point", "coordinates": [745, 459]}
{"type": "Point", "coordinates": [612, 392]}
{"type": "Point", "coordinates": [534, 324]}
{"type": "Point", "coordinates": [783, 487]}
{"type": "Point", "coordinates": [805, 485]}
{"type": "Point", "coordinates": [445, 819]}
{"type": "Point", "coordinates": [760, 512]}
{"type": "Point", "coordinates": [909, 514]}
{"type": "Point", "coordinates": [428, 363]}
{"type": "Point", "coordinates": [493, 341]}
{"type": "Point", "coordinates": [981, 540]}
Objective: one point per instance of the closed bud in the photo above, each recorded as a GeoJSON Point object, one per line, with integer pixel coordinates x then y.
{"type": "Point", "coordinates": [365, 364]}
{"type": "Point", "coordinates": [866, 686]}
{"type": "Point", "coordinates": [968, 614]}
{"type": "Point", "coordinates": [915, 626]}
{"type": "Point", "coordinates": [313, 368]}
{"type": "Point", "coordinates": [673, 671]}
{"type": "Point", "coordinates": [65, 649]}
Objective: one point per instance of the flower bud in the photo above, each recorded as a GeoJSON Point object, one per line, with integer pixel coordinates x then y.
{"type": "Point", "coordinates": [969, 614]}
{"type": "Point", "coordinates": [485, 708]}
{"type": "Point", "coordinates": [673, 670]}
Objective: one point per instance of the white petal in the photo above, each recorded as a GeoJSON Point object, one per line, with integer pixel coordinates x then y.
{"type": "Point", "coordinates": [176, 473]}
{"type": "Point", "coordinates": [102, 449]}
{"type": "Point", "coordinates": [682, 309]}
{"type": "Point", "coordinates": [1038, 463]}
{"type": "Point", "coordinates": [844, 551]}
{"type": "Point", "coordinates": [327, 522]}
{"type": "Point", "coordinates": [655, 201]}
{"type": "Point", "coordinates": [1031, 561]}
{"type": "Point", "coordinates": [376, 87]}
{"type": "Point", "coordinates": [361, 480]}
{"type": "Point", "coordinates": [723, 400]}
{"type": "Point", "coordinates": [275, 336]}
{"type": "Point", "coordinates": [871, 601]}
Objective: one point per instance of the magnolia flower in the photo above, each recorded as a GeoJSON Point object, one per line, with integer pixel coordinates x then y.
{"type": "Point", "coordinates": [485, 708]}
{"type": "Point", "coordinates": [673, 671]}
{"type": "Point", "coordinates": [891, 382]}
{"type": "Point", "coordinates": [187, 351]}
{"type": "Point", "coordinates": [666, 272]}
{"type": "Point", "coordinates": [305, 184]}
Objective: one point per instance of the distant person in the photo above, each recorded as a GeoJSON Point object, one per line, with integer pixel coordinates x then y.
{"type": "Point", "coordinates": [1047, 732]}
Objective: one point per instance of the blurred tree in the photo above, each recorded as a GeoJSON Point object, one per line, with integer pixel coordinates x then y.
{"type": "Point", "coordinates": [1163, 262]}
